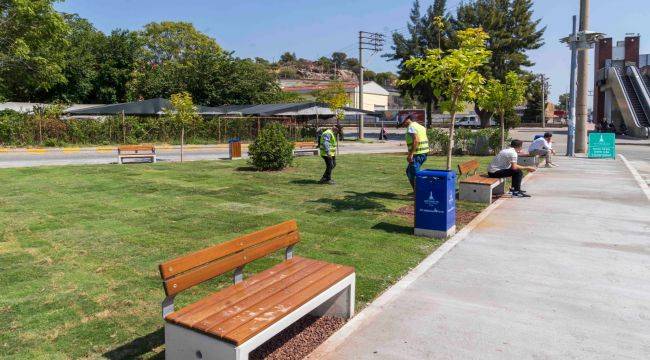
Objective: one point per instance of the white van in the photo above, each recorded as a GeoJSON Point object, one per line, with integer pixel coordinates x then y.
{"type": "Point", "coordinates": [472, 121]}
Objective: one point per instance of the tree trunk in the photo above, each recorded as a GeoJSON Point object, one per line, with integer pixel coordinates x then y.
{"type": "Point", "coordinates": [182, 141]}
{"type": "Point", "coordinates": [429, 120]}
{"type": "Point", "coordinates": [123, 129]}
{"type": "Point", "coordinates": [503, 130]}
{"type": "Point", "coordinates": [484, 115]}
{"type": "Point", "coordinates": [451, 138]}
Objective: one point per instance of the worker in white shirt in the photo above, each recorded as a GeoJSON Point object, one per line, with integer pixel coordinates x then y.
{"type": "Point", "coordinates": [543, 146]}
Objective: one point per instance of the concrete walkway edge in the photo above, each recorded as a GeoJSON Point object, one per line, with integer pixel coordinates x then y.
{"type": "Point", "coordinates": [637, 176]}
{"type": "Point", "coordinates": [375, 307]}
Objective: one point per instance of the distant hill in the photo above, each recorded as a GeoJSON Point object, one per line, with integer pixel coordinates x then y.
{"type": "Point", "coordinates": [311, 70]}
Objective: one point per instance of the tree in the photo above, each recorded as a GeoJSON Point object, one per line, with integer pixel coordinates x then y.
{"type": "Point", "coordinates": [262, 61]}
{"type": "Point", "coordinates": [513, 33]}
{"type": "Point", "coordinates": [369, 75]}
{"type": "Point", "coordinates": [428, 31]}
{"type": "Point", "coordinates": [80, 67]}
{"type": "Point", "coordinates": [117, 59]}
{"type": "Point", "coordinates": [533, 111]}
{"type": "Point", "coordinates": [32, 36]}
{"type": "Point", "coordinates": [239, 81]}
{"type": "Point", "coordinates": [325, 63]}
{"type": "Point", "coordinates": [352, 64]}
{"type": "Point", "coordinates": [288, 58]}
{"type": "Point", "coordinates": [183, 113]}
{"type": "Point", "coordinates": [335, 97]}
{"type": "Point", "coordinates": [386, 78]}
{"type": "Point", "coordinates": [175, 57]}
{"type": "Point", "coordinates": [563, 102]}
{"type": "Point", "coordinates": [454, 74]}
{"type": "Point", "coordinates": [501, 98]}
{"type": "Point", "coordinates": [175, 41]}
{"type": "Point", "coordinates": [338, 58]}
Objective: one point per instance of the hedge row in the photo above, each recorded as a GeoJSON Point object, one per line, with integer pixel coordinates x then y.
{"type": "Point", "coordinates": [27, 130]}
{"type": "Point", "coordinates": [467, 142]}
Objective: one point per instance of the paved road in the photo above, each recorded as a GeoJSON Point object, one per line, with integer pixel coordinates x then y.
{"type": "Point", "coordinates": [564, 275]}
{"type": "Point", "coordinates": [26, 158]}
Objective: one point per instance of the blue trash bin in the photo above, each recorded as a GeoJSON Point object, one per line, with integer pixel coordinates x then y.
{"type": "Point", "coordinates": [435, 203]}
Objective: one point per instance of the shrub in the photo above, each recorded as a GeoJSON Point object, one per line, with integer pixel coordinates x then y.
{"type": "Point", "coordinates": [271, 150]}
{"type": "Point", "coordinates": [438, 140]}
{"type": "Point", "coordinates": [481, 142]}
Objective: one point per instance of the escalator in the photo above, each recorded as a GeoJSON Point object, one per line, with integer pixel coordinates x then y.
{"type": "Point", "coordinates": [633, 99]}
{"type": "Point", "coordinates": [636, 89]}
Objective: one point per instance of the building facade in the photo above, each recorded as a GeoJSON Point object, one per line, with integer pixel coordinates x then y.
{"type": "Point", "coordinates": [375, 97]}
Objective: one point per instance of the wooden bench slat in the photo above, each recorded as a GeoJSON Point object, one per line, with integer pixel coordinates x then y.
{"type": "Point", "coordinates": [206, 272]}
{"type": "Point", "coordinates": [198, 258]}
{"type": "Point", "coordinates": [481, 179]}
{"type": "Point", "coordinates": [218, 301]}
{"type": "Point", "coordinates": [468, 167]}
{"type": "Point", "coordinates": [121, 148]}
{"type": "Point", "coordinates": [305, 145]}
{"type": "Point", "coordinates": [280, 305]}
{"type": "Point", "coordinates": [230, 290]}
{"type": "Point", "coordinates": [212, 323]}
{"type": "Point", "coordinates": [221, 324]}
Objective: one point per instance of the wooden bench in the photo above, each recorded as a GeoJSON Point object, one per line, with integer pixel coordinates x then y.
{"type": "Point", "coordinates": [136, 152]}
{"type": "Point", "coordinates": [305, 148]}
{"type": "Point", "coordinates": [528, 160]}
{"type": "Point", "coordinates": [232, 322]}
{"type": "Point", "coordinates": [478, 188]}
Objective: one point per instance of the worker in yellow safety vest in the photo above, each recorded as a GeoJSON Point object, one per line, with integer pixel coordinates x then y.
{"type": "Point", "coordinates": [327, 145]}
{"type": "Point", "coordinates": [417, 143]}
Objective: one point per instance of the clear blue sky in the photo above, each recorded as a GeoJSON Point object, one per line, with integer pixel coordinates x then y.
{"type": "Point", "coordinates": [314, 28]}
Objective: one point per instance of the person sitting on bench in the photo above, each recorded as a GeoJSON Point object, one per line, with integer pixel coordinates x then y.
{"type": "Point", "coordinates": [505, 165]}
{"type": "Point", "coordinates": [543, 147]}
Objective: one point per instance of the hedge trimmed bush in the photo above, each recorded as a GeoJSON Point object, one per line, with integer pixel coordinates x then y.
{"type": "Point", "coordinates": [271, 150]}
{"type": "Point", "coordinates": [27, 130]}
{"type": "Point", "coordinates": [467, 142]}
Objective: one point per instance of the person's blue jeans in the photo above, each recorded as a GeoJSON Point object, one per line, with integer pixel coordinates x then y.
{"type": "Point", "coordinates": [414, 167]}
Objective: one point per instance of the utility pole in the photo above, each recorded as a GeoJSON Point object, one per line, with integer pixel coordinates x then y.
{"type": "Point", "coordinates": [579, 42]}
{"type": "Point", "coordinates": [583, 80]}
{"type": "Point", "coordinates": [571, 142]}
{"type": "Point", "coordinates": [543, 101]}
{"type": "Point", "coordinates": [375, 43]}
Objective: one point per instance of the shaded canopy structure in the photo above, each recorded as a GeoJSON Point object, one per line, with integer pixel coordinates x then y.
{"type": "Point", "coordinates": [151, 107]}
{"type": "Point", "coordinates": [154, 107]}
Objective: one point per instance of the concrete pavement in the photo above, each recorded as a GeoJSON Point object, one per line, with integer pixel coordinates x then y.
{"type": "Point", "coordinates": [563, 275]}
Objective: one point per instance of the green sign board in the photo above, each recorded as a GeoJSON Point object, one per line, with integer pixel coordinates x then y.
{"type": "Point", "coordinates": [602, 145]}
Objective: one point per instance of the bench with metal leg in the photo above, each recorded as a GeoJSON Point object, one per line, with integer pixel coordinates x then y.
{"type": "Point", "coordinates": [232, 322]}
{"type": "Point", "coordinates": [305, 148]}
{"type": "Point", "coordinates": [136, 152]}
{"type": "Point", "coordinates": [478, 188]}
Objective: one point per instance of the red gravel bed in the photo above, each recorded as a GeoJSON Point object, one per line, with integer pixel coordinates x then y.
{"type": "Point", "coordinates": [299, 339]}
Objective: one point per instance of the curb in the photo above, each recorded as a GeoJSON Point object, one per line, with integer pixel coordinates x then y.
{"type": "Point", "coordinates": [642, 184]}
{"type": "Point", "coordinates": [384, 299]}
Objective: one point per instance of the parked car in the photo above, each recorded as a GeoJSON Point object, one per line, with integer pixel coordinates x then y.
{"type": "Point", "coordinates": [472, 121]}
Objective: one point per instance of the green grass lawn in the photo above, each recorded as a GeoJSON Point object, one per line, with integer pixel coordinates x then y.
{"type": "Point", "coordinates": [80, 245]}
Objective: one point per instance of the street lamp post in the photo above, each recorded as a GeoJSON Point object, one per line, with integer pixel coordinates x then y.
{"type": "Point", "coordinates": [579, 42]}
